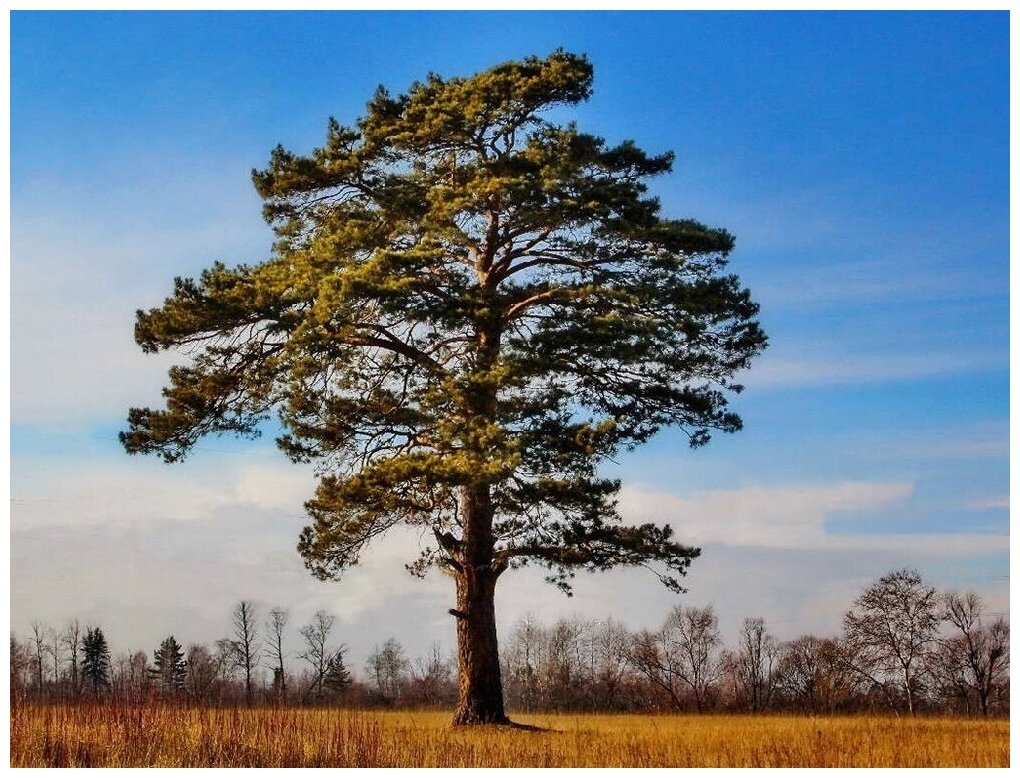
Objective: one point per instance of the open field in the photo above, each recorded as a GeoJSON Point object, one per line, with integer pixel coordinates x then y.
{"type": "Point", "coordinates": [164, 735]}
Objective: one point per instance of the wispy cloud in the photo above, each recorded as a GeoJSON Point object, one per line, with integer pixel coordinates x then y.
{"type": "Point", "coordinates": [877, 280]}
{"type": "Point", "coordinates": [977, 441]}
{"type": "Point", "coordinates": [772, 372]}
{"type": "Point", "coordinates": [147, 550]}
{"type": "Point", "coordinates": [795, 517]}
{"type": "Point", "coordinates": [133, 494]}
{"type": "Point", "coordinates": [990, 504]}
{"type": "Point", "coordinates": [82, 262]}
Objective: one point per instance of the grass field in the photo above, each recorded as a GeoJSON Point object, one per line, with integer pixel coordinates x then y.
{"type": "Point", "coordinates": [163, 735]}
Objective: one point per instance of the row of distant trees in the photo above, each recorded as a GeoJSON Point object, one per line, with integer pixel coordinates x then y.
{"type": "Point", "coordinates": [904, 647]}
{"type": "Point", "coordinates": [250, 665]}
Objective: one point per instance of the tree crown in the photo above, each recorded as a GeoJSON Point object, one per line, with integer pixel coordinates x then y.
{"type": "Point", "coordinates": [463, 299]}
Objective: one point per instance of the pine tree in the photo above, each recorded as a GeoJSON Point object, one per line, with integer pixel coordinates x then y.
{"type": "Point", "coordinates": [468, 311]}
{"type": "Point", "coordinates": [95, 664]}
{"type": "Point", "coordinates": [337, 677]}
{"type": "Point", "coordinates": [169, 669]}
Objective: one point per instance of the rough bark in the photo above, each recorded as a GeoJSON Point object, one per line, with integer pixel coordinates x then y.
{"type": "Point", "coordinates": [480, 685]}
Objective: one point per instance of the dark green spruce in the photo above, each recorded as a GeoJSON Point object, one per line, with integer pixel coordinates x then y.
{"type": "Point", "coordinates": [466, 311]}
{"type": "Point", "coordinates": [95, 664]}
{"type": "Point", "coordinates": [169, 670]}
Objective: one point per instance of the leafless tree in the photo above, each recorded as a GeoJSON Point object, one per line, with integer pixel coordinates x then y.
{"type": "Point", "coordinates": [275, 626]}
{"type": "Point", "coordinates": [757, 660]}
{"type": "Point", "coordinates": [974, 657]}
{"type": "Point", "coordinates": [21, 666]}
{"type": "Point", "coordinates": [388, 667]}
{"type": "Point", "coordinates": [890, 629]}
{"type": "Point", "coordinates": [803, 671]}
{"type": "Point", "coordinates": [610, 643]}
{"type": "Point", "coordinates": [649, 659]}
{"type": "Point", "coordinates": [432, 678]}
{"type": "Point", "coordinates": [317, 653]}
{"type": "Point", "coordinates": [247, 648]}
{"type": "Point", "coordinates": [130, 676]}
{"type": "Point", "coordinates": [202, 672]}
{"type": "Point", "coordinates": [39, 652]}
{"type": "Point", "coordinates": [72, 640]}
{"type": "Point", "coordinates": [55, 643]}
{"type": "Point", "coordinates": [691, 636]}
{"type": "Point", "coordinates": [563, 666]}
{"type": "Point", "coordinates": [523, 658]}
{"type": "Point", "coordinates": [682, 656]}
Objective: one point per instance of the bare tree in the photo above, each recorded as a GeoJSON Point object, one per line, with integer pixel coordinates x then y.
{"type": "Point", "coordinates": [691, 635]}
{"type": "Point", "coordinates": [563, 665]}
{"type": "Point", "coordinates": [890, 628]}
{"type": "Point", "coordinates": [316, 652]}
{"type": "Point", "coordinates": [610, 644]}
{"type": "Point", "coordinates": [432, 678]}
{"type": "Point", "coordinates": [246, 643]}
{"type": "Point", "coordinates": [975, 657]}
{"type": "Point", "coordinates": [275, 626]}
{"type": "Point", "coordinates": [803, 671]}
{"type": "Point", "coordinates": [72, 640]}
{"type": "Point", "coordinates": [523, 658]}
{"type": "Point", "coordinates": [54, 648]}
{"type": "Point", "coordinates": [202, 672]}
{"type": "Point", "coordinates": [757, 661]}
{"type": "Point", "coordinates": [388, 667]}
{"type": "Point", "coordinates": [682, 656]}
{"type": "Point", "coordinates": [649, 659]}
{"type": "Point", "coordinates": [21, 666]}
{"type": "Point", "coordinates": [39, 652]}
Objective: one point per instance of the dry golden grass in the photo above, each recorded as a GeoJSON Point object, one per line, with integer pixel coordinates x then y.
{"type": "Point", "coordinates": [163, 735]}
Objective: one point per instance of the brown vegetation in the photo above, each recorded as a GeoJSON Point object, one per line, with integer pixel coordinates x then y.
{"type": "Point", "coordinates": [158, 734]}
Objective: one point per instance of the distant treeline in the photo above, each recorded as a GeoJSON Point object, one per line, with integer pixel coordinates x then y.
{"type": "Point", "coordinates": [904, 647]}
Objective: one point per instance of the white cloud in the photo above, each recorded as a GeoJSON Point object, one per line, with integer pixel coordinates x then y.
{"type": "Point", "coordinates": [794, 517]}
{"type": "Point", "coordinates": [136, 493]}
{"type": "Point", "coordinates": [990, 504]}
{"type": "Point", "coordinates": [976, 441]}
{"type": "Point", "coordinates": [790, 516]}
{"type": "Point", "coordinates": [771, 372]}
{"type": "Point", "coordinates": [80, 268]}
{"type": "Point", "coordinates": [881, 279]}
{"type": "Point", "coordinates": [149, 549]}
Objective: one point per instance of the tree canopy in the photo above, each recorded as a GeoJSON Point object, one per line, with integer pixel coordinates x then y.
{"type": "Point", "coordinates": [462, 293]}
{"type": "Point", "coordinates": [468, 310]}
{"type": "Point", "coordinates": [95, 666]}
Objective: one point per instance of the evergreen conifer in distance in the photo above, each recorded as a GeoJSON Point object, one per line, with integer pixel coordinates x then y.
{"type": "Point", "coordinates": [169, 669]}
{"type": "Point", "coordinates": [95, 665]}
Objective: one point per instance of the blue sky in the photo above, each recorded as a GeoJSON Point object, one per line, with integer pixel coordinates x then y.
{"type": "Point", "coordinates": [861, 159]}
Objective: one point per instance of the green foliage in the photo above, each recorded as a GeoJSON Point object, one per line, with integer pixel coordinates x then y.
{"type": "Point", "coordinates": [169, 669]}
{"type": "Point", "coordinates": [95, 665]}
{"type": "Point", "coordinates": [337, 677]}
{"type": "Point", "coordinates": [468, 308]}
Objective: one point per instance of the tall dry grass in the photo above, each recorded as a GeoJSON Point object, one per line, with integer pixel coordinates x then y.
{"type": "Point", "coordinates": [152, 734]}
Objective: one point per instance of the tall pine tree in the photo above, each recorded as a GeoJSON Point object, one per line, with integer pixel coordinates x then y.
{"type": "Point", "coordinates": [169, 670]}
{"type": "Point", "coordinates": [467, 311]}
{"type": "Point", "coordinates": [337, 677]}
{"type": "Point", "coordinates": [95, 664]}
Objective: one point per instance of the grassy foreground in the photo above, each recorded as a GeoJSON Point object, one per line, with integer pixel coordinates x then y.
{"type": "Point", "coordinates": [126, 735]}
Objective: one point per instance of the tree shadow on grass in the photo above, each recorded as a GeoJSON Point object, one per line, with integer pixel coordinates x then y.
{"type": "Point", "coordinates": [527, 727]}
{"type": "Point", "coordinates": [506, 725]}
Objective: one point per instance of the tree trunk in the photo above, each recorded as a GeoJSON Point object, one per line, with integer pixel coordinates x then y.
{"type": "Point", "coordinates": [910, 692]}
{"type": "Point", "coordinates": [480, 685]}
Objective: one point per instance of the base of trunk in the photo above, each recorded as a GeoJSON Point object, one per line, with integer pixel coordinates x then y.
{"type": "Point", "coordinates": [467, 718]}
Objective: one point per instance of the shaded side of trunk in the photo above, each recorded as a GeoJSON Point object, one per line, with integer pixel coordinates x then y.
{"type": "Point", "coordinates": [479, 683]}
